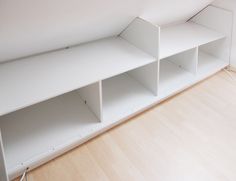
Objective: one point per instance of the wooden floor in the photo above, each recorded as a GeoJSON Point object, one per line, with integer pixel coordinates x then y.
{"type": "Point", "coordinates": [191, 137]}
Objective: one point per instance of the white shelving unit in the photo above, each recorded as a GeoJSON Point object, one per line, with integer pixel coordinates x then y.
{"type": "Point", "coordinates": [53, 102]}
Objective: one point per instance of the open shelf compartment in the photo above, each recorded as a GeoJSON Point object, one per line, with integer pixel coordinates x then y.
{"type": "Point", "coordinates": [177, 71]}
{"type": "Point", "coordinates": [44, 129]}
{"type": "Point", "coordinates": [212, 57]}
{"type": "Point", "coordinates": [127, 93]}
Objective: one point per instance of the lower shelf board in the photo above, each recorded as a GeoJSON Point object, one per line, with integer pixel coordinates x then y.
{"type": "Point", "coordinates": [40, 129]}
{"type": "Point", "coordinates": [122, 96]}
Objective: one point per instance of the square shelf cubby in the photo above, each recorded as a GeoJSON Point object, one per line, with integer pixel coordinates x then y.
{"type": "Point", "coordinates": [127, 93]}
{"type": "Point", "coordinates": [47, 128]}
{"type": "Point", "coordinates": [213, 56]}
{"type": "Point", "coordinates": [177, 71]}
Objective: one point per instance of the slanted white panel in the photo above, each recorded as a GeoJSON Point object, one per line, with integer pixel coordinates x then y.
{"type": "Point", "coordinates": [186, 60]}
{"type": "Point", "coordinates": [143, 35]}
{"type": "Point", "coordinates": [208, 64]}
{"type": "Point", "coordinates": [147, 76]}
{"type": "Point", "coordinates": [31, 80]}
{"type": "Point", "coordinates": [181, 37]}
{"type": "Point", "coordinates": [219, 20]}
{"type": "Point", "coordinates": [92, 95]}
{"type": "Point", "coordinates": [3, 170]}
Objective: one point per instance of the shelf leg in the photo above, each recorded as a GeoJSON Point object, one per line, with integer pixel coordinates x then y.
{"type": "Point", "coordinates": [3, 170]}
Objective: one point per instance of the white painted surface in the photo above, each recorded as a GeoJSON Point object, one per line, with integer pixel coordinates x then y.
{"type": "Point", "coordinates": [219, 49]}
{"type": "Point", "coordinates": [143, 35]}
{"type": "Point", "coordinates": [3, 170]}
{"type": "Point", "coordinates": [230, 5]}
{"type": "Point", "coordinates": [173, 77]}
{"type": "Point", "coordinates": [221, 21]}
{"type": "Point", "coordinates": [178, 38]}
{"type": "Point", "coordinates": [33, 26]}
{"type": "Point", "coordinates": [123, 95]}
{"type": "Point", "coordinates": [92, 95]}
{"type": "Point", "coordinates": [187, 60]}
{"type": "Point", "coordinates": [147, 76]}
{"type": "Point", "coordinates": [41, 128]}
{"type": "Point", "coordinates": [40, 132]}
{"type": "Point", "coordinates": [29, 81]}
{"type": "Point", "coordinates": [50, 128]}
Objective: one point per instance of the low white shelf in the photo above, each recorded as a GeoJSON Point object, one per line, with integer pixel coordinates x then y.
{"type": "Point", "coordinates": [51, 103]}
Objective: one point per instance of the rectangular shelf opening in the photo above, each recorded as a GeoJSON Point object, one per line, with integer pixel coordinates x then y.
{"type": "Point", "coordinates": [39, 131]}
{"type": "Point", "coordinates": [213, 56]}
{"type": "Point", "coordinates": [127, 93]}
{"type": "Point", "coordinates": [177, 71]}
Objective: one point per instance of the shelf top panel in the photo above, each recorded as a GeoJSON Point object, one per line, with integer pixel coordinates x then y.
{"type": "Point", "coordinates": [32, 80]}
{"type": "Point", "coordinates": [182, 37]}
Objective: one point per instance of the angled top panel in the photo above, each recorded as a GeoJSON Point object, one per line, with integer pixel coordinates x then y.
{"type": "Point", "coordinates": [143, 35]}
{"type": "Point", "coordinates": [3, 170]}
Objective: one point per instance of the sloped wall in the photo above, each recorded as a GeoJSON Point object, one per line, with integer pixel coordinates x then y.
{"type": "Point", "coordinates": [231, 5]}
{"type": "Point", "coordinates": [33, 26]}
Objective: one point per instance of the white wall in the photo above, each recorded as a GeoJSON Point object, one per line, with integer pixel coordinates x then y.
{"type": "Point", "coordinates": [33, 26]}
{"type": "Point", "coordinates": [230, 5]}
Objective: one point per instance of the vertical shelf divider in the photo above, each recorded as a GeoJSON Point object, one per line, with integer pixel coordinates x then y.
{"type": "Point", "coordinates": [3, 169]}
{"type": "Point", "coordinates": [145, 36]}
{"type": "Point", "coordinates": [92, 96]}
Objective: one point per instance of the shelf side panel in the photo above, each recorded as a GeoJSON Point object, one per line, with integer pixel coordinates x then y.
{"type": "Point", "coordinates": [92, 95]}
{"type": "Point", "coordinates": [144, 36]}
{"type": "Point", "coordinates": [187, 60]}
{"type": "Point", "coordinates": [3, 170]}
{"type": "Point", "coordinates": [147, 76]}
{"type": "Point", "coordinates": [219, 20]}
